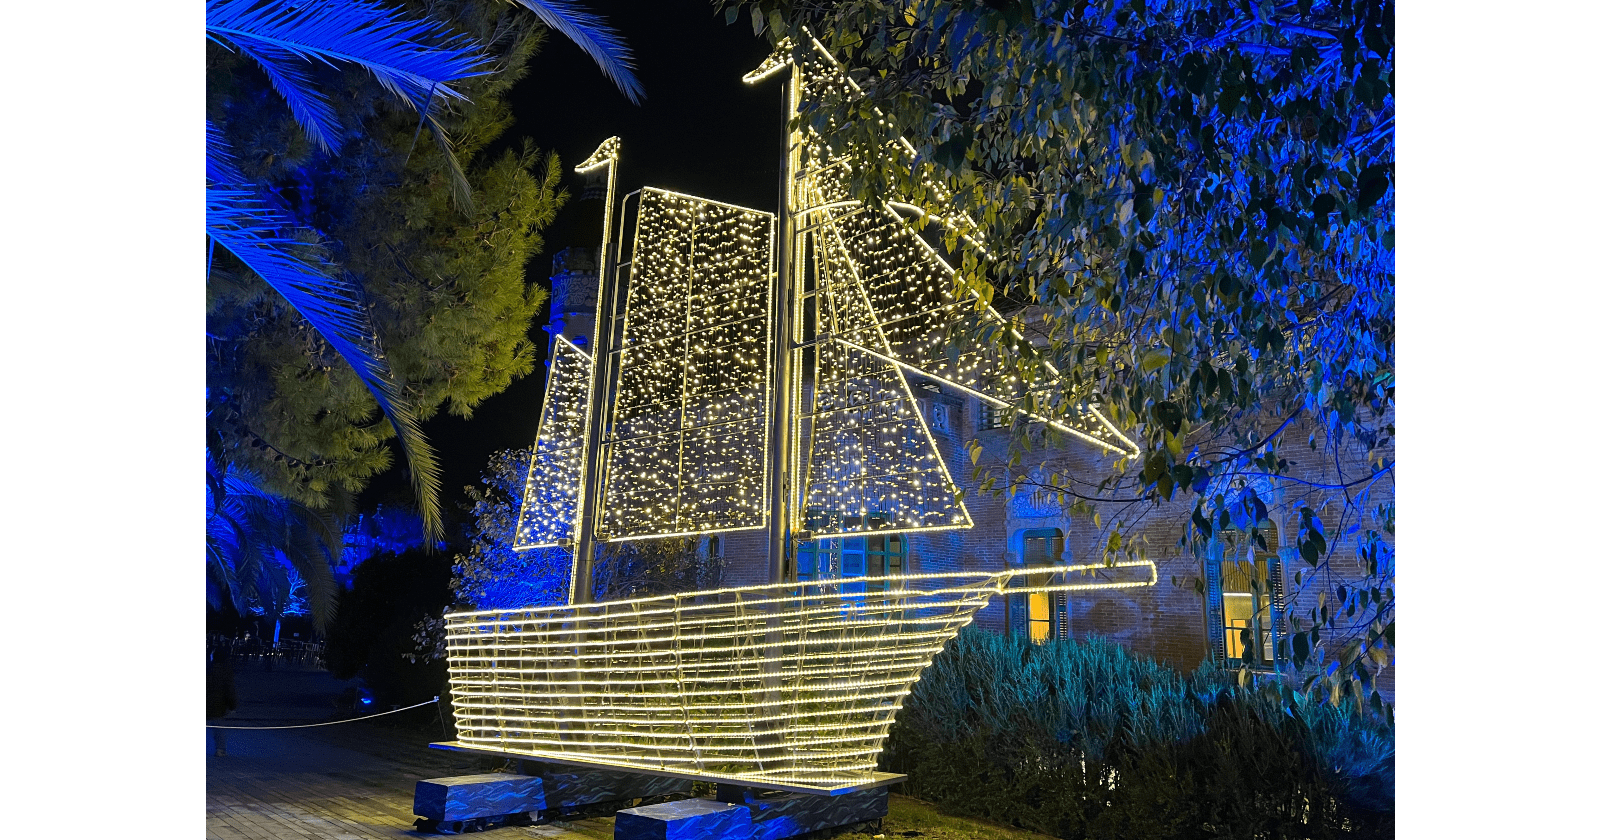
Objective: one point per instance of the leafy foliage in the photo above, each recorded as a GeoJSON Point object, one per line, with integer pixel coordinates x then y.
{"type": "Point", "coordinates": [410, 59]}
{"type": "Point", "coordinates": [595, 38]}
{"type": "Point", "coordinates": [1188, 206]}
{"type": "Point", "coordinates": [490, 575]}
{"type": "Point", "coordinates": [1085, 740]}
{"type": "Point", "coordinates": [334, 208]}
{"type": "Point", "coordinates": [372, 635]}
{"type": "Point", "coordinates": [445, 291]}
{"type": "Point", "coordinates": [259, 545]}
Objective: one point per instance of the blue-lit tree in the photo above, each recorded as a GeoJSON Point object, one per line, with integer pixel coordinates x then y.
{"type": "Point", "coordinates": [417, 61]}
{"type": "Point", "coordinates": [491, 575]}
{"type": "Point", "coordinates": [259, 545]}
{"type": "Point", "coordinates": [1196, 198]}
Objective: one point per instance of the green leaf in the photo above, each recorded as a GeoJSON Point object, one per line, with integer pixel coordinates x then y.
{"type": "Point", "coordinates": [1155, 359]}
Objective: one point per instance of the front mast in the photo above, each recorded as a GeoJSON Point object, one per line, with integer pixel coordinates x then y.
{"type": "Point", "coordinates": [780, 487]}
{"type": "Point", "coordinates": [781, 423]}
{"type": "Point", "coordinates": [581, 588]}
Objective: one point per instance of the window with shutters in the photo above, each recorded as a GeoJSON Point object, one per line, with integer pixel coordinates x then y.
{"type": "Point", "coordinates": [1246, 580]}
{"type": "Point", "coordinates": [990, 417]}
{"type": "Point", "coordinates": [866, 556]}
{"type": "Point", "coordinates": [1042, 547]}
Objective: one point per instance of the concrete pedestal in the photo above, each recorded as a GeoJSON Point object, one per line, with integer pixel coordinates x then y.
{"type": "Point", "coordinates": [457, 803]}
{"type": "Point", "coordinates": [686, 819]}
{"type": "Point", "coordinates": [776, 816]}
{"type": "Point", "coordinates": [567, 787]}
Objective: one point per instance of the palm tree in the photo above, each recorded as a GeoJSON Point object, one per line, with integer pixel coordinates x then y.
{"type": "Point", "coordinates": [258, 542]}
{"type": "Point", "coordinates": [416, 61]}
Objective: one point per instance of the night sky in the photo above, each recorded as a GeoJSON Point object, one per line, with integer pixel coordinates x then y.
{"type": "Point", "coordinates": [700, 130]}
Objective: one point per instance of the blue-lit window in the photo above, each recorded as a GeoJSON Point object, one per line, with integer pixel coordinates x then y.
{"type": "Point", "coordinates": [868, 555]}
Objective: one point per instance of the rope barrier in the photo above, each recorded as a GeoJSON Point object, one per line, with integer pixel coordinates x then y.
{"type": "Point", "coordinates": [328, 722]}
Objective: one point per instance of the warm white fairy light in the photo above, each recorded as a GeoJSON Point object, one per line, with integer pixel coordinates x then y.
{"type": "Point", "coordinates": [550, 497]}
{"type": "Point", "coordinates": [792, 684]}
{"type": "Point", "coordinates": [688, 432]}
{"type": "Point", "coordinates": [606, 153]}
{"type": "Point", "coordinates": [872, 462]}
{"type": "Point", "coordinates": [783, 684]}
{"type": "Point", "coordinates": [911, 287]}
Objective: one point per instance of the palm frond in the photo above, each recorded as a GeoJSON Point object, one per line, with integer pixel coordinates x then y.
{"type": "Point", "coordinates": [460, 188]}
{"type": "Point", "coordinates": [256, 233]}
{"type": "Point", "coordinates": [254, 537]}
{"type": "Point", "coordinates": [409, 57]}
{"type": "Point", "coordinates": [311, 109]}
{"type": "Point", "coordinates": [594, 36]}
{"type": "Point", "coordinates": [219, 158]}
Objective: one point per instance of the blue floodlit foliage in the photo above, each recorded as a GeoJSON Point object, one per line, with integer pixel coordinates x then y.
{"type": "Point", "coordinates": [493, 576]}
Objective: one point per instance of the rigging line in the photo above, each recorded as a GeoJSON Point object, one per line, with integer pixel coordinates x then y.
{"type": "Point", "coordinates": [328, 722]}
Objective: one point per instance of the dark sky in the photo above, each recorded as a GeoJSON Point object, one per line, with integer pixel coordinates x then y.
{"type": "Point", "coordinates": [700, 130]}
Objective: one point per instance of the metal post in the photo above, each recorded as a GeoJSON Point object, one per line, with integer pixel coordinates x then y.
{"type": "Point", "coordinates": [779, 433]}
{"type": "Point", "coordinates": [583, 526]}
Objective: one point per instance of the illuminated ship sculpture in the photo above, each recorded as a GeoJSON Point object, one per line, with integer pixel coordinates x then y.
{"type": "Point", "coordinates": [752, 376]}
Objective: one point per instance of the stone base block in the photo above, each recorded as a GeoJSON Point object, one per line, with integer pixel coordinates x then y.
{"type": "Point", "coordinates": [457, 798]}
{"type": "Point", "coordinates": [776, 816]}
{"type": "Point", "coordinates": [565, 787]}
{"type": "Point", "coordinates": [686, 819]}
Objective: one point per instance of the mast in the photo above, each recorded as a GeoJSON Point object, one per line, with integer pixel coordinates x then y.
{"type": "Point", "coordinates": [780, 489]}
{"type": "Point", "coordinates": [581, 588]}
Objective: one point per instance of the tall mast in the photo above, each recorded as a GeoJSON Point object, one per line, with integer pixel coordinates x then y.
{"type": "Point", "coordinates": [580, 589]}
{"type": "Point", "coordinates": [780, 489]}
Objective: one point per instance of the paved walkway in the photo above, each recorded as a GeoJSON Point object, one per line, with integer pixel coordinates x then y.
{"type": "Point", "coordinates": [347, 782]}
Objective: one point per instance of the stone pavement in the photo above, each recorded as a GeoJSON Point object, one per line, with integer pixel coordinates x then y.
{"type": "Point", "coordinates": [346, 782]}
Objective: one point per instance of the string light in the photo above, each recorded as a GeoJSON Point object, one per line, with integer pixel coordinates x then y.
{"type": "Point", "coordinates": [911, 287]}
{"type": "Point", "coordinates": [550, 496]}
{"type": "Point", "coordinates": [688, 433]}
{"type": "Point", "coordinates": [607, 152]}
{"type": "Point", "coordinates": [791, 684]}
{"type": "Point", "coordinates": [780, 684]}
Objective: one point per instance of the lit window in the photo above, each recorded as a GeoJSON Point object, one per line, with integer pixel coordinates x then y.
{"type": "Point", "coordinates": [1041, 547]}
{"type": "Point", "coordinates": [1038, 616]}
{"type": "Point", "coordinates": [714, 547]}
{"type": "Point", "coordinates": [1249, 582]}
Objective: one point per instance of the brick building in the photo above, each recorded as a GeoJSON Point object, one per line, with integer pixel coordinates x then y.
{"type": "Point", "coordinates": [1197, 611]}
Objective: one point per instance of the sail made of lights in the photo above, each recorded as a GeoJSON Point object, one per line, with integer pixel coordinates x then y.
{"type": "Point", "coordinates": [550, 498]}
{"type": "Point", "coordinates": [871, 463]}
{"type": "Point", "coordinates": [687, 449]}
{"type": "Point", "coordinates": [918, 307]}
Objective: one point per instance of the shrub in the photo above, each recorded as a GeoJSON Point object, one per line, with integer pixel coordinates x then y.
{"type": "Point", "coordinates": [373, 633]}
{"type": "Point", "coordinates": [1085, 740]}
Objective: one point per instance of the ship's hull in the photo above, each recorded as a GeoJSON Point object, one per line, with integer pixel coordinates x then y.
{"type": "Point", "coordinates": [792, 685]}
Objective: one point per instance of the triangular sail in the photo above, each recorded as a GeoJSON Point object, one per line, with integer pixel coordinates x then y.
{"type": "Point", "coordinates": [913, 290]}
{"type": "Point", "coordinates": [687, 447]}
{"type": "Point", "coordinates": [871, 463]}
{"type": "Point", "coordinates": [550, 499]}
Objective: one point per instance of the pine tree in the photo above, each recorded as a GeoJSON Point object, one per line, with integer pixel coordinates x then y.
{"type": "Point", "coordinates": [439, 260]}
